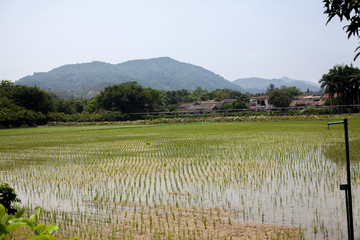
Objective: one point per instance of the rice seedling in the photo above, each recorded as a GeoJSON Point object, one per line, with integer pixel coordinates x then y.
{"type": "Point", "coordinates": [199, 180]}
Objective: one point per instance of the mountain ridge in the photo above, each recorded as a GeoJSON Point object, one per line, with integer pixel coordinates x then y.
{"type": "Point", "coordinates": [260, 85]}
{"type": "Point", "coordinates": [162, 73]}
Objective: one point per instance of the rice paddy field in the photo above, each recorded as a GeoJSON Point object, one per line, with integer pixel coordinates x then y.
{"type": "Point", "coordinates": [229, 180]}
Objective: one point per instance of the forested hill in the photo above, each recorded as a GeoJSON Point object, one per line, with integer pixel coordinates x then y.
{"type": "Point", "coordinates": [83, 80]}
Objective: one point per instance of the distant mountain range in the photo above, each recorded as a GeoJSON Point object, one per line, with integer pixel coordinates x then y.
{"type": "Point", "coordinates": [87, 79]}
{"type": "Point", "coordinates": [259, 85]}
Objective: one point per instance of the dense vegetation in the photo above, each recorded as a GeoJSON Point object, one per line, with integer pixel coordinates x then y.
{"type": "Point", "coordinates": [20, 105]}
{"type": "Point", "coordinates": [282, 97]}
{"type": "Point", "coordinates": [87, 79]}
{"type": "Point", "coordinates": [128, 98]}
{"type": "Point", "coordinates": [31, 106]}
{"type": "Point", "coordinates": [342, 82]}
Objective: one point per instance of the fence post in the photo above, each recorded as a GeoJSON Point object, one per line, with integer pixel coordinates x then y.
{"type": "Point", "coordinates": [347, 187]}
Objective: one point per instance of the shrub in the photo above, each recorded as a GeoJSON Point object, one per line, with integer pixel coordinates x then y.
{"type": "Point", "coordinates": [309, 111]}
{"type": "Point", "coordinates": [8, 197]}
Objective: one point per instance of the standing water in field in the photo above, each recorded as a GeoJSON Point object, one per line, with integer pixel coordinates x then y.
{"type": "Point", "coordinates": [184, 180]}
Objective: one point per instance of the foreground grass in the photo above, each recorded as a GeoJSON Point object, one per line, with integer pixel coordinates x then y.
{"type": "Point", "coordinates": [192, 181]}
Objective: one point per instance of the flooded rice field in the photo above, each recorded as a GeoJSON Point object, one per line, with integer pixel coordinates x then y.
{"type": "Point", "coordinates": [186, 181]}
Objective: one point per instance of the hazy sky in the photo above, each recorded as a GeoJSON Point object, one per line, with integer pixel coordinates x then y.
{"type": "Point", "coordinates": [233, 38]}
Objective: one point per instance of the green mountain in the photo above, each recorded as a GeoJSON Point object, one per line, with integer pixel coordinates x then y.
{"type": "Point", "coordinates": [87, 79]}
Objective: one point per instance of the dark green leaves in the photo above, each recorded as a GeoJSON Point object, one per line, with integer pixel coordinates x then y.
{"type": "Point", "coordinates": [8, 197]}
{"type": "Point", "coordinates": [348, 10]}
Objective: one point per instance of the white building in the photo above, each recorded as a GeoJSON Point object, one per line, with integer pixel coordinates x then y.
{"type": "Point", "coordinates": [260, 104]}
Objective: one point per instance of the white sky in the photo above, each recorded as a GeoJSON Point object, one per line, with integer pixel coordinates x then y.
{"type": "Point", "coordinates": [233, 38]}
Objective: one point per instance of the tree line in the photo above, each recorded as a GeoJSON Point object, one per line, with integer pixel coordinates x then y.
{"type": "Point", "coordinates": [31, 106]}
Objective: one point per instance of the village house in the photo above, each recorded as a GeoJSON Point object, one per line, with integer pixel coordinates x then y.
{"type": "Point", "coordinates": [203, 106]}
{"type": "Point", "coordinates": [314, 100]}
{"type": "Point", "coordinates": [260, 104]}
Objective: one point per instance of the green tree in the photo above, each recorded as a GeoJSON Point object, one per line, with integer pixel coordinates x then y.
{"type": "Point", "coordinates": [237, 104]}
{"type": "Point", "coordinates": [329, 85]}
{"type": "Point", "coordinates": [174, 97]}
{"type": "Point", "coordinates": [355, 86]}
{"type": "Point", "coordinates": [282, 97]}
{"type": "Point", "coordinates": [127, 98]}
{"type": "Point", "coordinates": [153, 100]}
{"type": "Point", "coordinates": [31, 98]}
{"type": "Point", "coordinates": [279, 98]}
{"type": "Point", "coordinates": [199, 94]}
{"type": "Point", "coordinates": [23, 106]}
{"type": "Point", "coordinates": [92, 105]}
{"type": "Point", "coordinates": [291, 91]}
{"type": "Point", "coordinates": [6, 87]}
{"type": "Point", "coordinates": [221, 94]}
{"type": "Point", "coordinates": [64, 106]}
{"type": "Point", "coordinates": [270, 89]}
{"type": "Point", "coordinates": [348, 10]}
{"type": "Point", "coordinates": [69, 106]}
{"type": "Point", "coordinates": [344, 81]}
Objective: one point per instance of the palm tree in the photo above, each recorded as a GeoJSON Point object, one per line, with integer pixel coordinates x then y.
{"type": "Point", "coordinates": [354, 84]}
{"type": "Point", "coordinates": [329, 86]}
{"type": "Point", "coordinates": [345, 82]}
